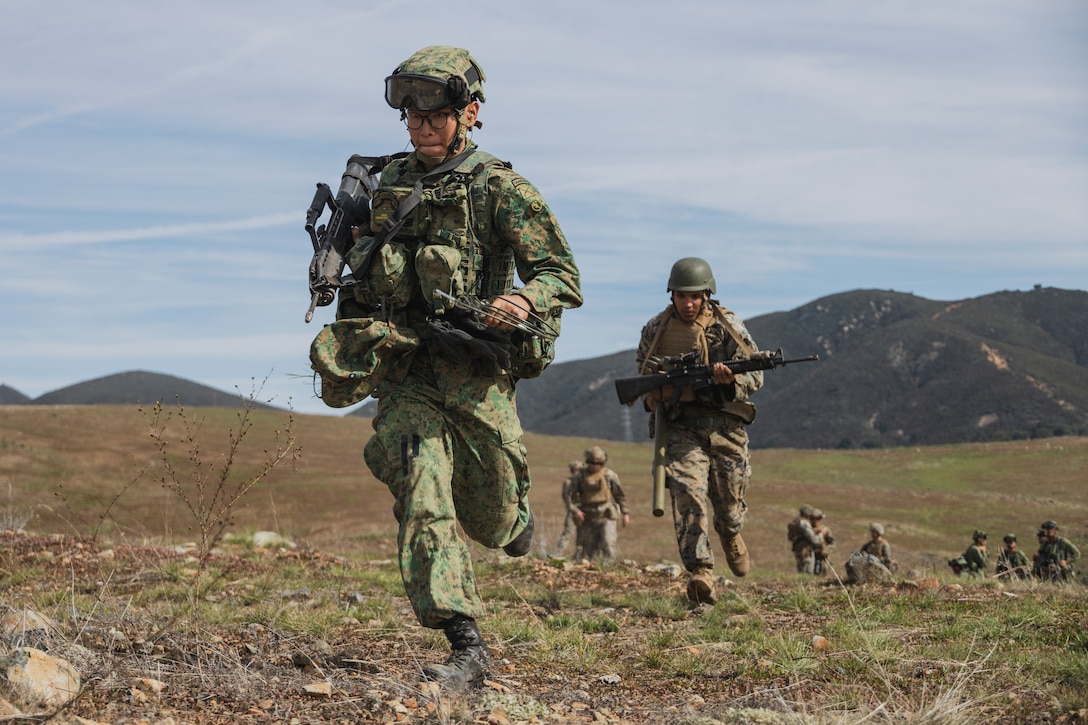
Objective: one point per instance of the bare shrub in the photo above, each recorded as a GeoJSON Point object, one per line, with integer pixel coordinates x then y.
{"type": "Point", "coordinates": [211, 489]}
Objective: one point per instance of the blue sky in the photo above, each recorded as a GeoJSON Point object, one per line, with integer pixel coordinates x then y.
{"type": "Point", "coordinates": [157, 160]}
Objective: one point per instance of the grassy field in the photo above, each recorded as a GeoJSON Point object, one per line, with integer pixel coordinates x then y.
{"type": "Point", "coordinates": [240, 636]}
{"type": "Point", "coordinates": [67, 464]}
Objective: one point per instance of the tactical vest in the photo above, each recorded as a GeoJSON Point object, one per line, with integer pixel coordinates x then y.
{"type": "Point", "coordinates": [446, 243]}
{"type": "Point", "coordinates": [595, 488]}
{"type": "Point", "coordinates": [678, 337]}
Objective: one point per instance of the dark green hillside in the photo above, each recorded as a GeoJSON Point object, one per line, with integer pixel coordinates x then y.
{"type": "Point", "coordinates": [895, 369]}
{"type": "Point", "coordinates": [11, 396]}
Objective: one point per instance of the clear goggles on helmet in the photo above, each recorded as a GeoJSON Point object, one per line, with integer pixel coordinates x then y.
{"type": "Point", "coordinates": [422, 93]}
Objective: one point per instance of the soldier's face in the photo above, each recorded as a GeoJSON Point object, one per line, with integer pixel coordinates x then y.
{"type": "Point", "coordinates": [688, 304]}
{"type": "Point", "coordinates": [431, 141]}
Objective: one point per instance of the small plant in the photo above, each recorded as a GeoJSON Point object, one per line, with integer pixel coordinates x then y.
{"type": "Point", "coordinates": [212, 490]}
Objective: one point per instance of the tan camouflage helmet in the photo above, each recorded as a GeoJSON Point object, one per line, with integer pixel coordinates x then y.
{"type": "Point", "coordinates": [596, 454]}
{"type": "Point", "coordinates": [576, 466]}
{"type": "Point", "coordinates": [806, 511]}
{"type": "Point", "coordinates": [878, 528]}
{"type": "Point", "coordinates": [436, 77]}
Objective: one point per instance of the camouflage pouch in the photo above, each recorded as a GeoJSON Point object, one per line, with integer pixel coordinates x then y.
{"type": "Point", "coordinates": [391, 278]}
{"type": "Point", "coordinates": [534, 353]}
{"type": "Point", "coordinates": [438, 268]}
{"type": "Point", "coordinates": [352, 356]}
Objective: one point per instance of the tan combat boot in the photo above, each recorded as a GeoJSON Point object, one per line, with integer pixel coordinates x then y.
{"type": "Point", "coordinates": [701, 586]}
{"type": "Point", "coordinates": [736, 553]}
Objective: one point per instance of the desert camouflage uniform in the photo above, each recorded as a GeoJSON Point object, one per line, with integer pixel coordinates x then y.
{"type": "Point", "coordinates": [706, 450]}
{"type": "Point", "coordinates": [570, 526]}
{"type": "Point", "coordinates": [598, 534]}
{"type": "Point", "coordinates": [880, 549]}
{"type": "Point", "coordinates": [806, 543]}
{"type": "Point", "coordinates": [447, 437]}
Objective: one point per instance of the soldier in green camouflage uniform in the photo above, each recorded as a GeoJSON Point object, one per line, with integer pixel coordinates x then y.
{"type": "Point", "coordinates": [707, 463]}
{"type": "Point", "coordinates": [1011, 560]}
{"type": "Point", "coordinates": [447, 437]}
{"type": "Point", "coordinates": [1056, 554]}
{"type": "Point", "coordinates": [976, 556]}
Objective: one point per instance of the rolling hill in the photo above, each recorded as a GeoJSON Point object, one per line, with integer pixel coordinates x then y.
{"type": "Point", "coordinates": [895, 369]}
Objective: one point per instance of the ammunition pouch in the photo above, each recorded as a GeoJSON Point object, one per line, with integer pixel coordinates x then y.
{"type": "Point", "coordinates": [353, 355]}
{"type": "Point", "coordinates": [390, 280]}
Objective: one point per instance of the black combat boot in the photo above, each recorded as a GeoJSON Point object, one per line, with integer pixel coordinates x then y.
{"type": "Point", "coordinates": [468, 663]}
{"type": "Point", "coordinates": [522, 542]}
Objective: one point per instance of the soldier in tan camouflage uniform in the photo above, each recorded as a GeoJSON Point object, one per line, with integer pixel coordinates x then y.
{"type": "Point", "coordinates": [570, 527]}
{"type": "Point", "coordinates": [447, 437]}
{"type": "Point", "coordinates": [707, 464]}
{"type": "Point", "coordinates": [597, 503]}
{"type": "Point", "coordinates": [809, 540]}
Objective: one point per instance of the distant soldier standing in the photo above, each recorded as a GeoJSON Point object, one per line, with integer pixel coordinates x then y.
{"type": "Point", "coordinates": [707, 466]}
{"type": "Point", "coordinates": [1056, 552]}
{"type": "Point", "coordinates": [805, 541]}
{"type": "Point", "coordinates": [599, 500]}
{"type": "Point", "coordinates": [822, 552]}
{"type": "Point", "coordinates": [570, 526]}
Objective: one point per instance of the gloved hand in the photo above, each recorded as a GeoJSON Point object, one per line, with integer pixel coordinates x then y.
{"type": "Point", "coordinates": [461, 336]}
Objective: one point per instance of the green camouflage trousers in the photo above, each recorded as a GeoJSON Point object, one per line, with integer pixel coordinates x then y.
{"type": "Point", "coordinates": [707, 470]}
{"type": "Point", "coordinates": [449, 458]}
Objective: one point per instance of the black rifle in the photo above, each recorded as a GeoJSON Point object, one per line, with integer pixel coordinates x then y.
{"type": "Point", "coordinates": [686, 370]}
{"type": "Point", "coordinates": [350, 207]}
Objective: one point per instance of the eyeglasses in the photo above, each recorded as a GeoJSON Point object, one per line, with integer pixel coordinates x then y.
{"type": "Point", "coordinates": [437, 120]}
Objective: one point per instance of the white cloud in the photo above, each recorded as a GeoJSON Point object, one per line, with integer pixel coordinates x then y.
{"type": "Point", "coordinates": [160, 159]}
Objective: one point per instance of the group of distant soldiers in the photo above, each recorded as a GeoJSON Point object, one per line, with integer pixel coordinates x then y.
{"type": "Point", "coordinates": [811, 541]}
{"type": "Point", "coordinates": [1053, 561]}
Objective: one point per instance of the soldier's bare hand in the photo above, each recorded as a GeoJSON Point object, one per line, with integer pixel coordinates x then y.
{"type": "Point", "coordinates": [722, 374]}
{"type": "Point", "coordinates": [507, 305]}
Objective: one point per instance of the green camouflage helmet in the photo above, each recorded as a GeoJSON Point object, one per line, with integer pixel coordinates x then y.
{"type": "Point", "coordinates": [436, 77]}
{"type": "Point", "coordinates": [691, 274]}
{"type": "Point", "coordinates": [806, 511]}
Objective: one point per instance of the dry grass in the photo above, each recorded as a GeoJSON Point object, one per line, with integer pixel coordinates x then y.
{"type": "Point", "coordinates": [240, 640]}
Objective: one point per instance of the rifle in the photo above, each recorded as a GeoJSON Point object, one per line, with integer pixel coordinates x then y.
{"type": "Point", "coordinates": [686, 370]}
{"type": "Point", "coordinates": [331, 241]}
